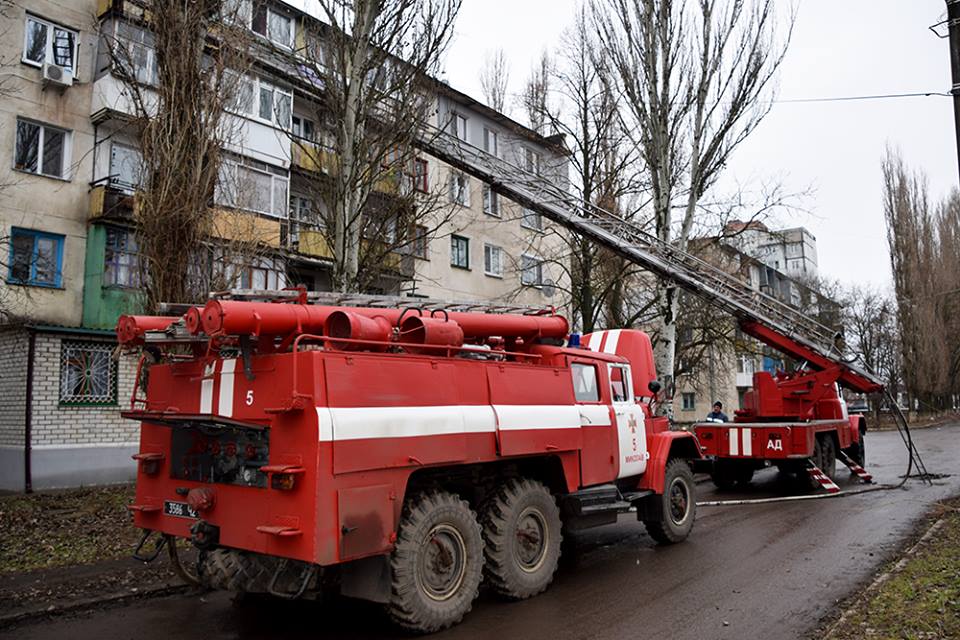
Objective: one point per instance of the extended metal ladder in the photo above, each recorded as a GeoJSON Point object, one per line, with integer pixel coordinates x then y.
{"type": "Point", "coordinates": [630, 241]}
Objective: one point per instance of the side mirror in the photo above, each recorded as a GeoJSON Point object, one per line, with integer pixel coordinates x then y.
{"type": "Point", "coordinates": [654, 387]}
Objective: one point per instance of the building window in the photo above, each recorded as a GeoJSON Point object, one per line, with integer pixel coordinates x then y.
{"type": "Point", "coordinates": [252, 185]}
{"type": "Point", "coordinates": [259, 273]}
{"type": "Point", "coordinates": [303, 128]}
{"type": "Point", "coordinates": [531, 220]}
{"type": "Point", "coordinates": [459, 189]}
{"type": "Point", "coordinates": [261, 19]}
{"type": "Point", "coordinates": [88, 373]}
{"type": "Point", "coordinates": [688, 401]}
{"type": "Point", "coordinates": [126, 167]}
{"type": "Point", "coordinates": [48, 42]}
{"type": "Point", "coordinates": [41, 149]}
{"type": "Point", "coordinates": [301, 209]}
{"type": "Point", "coordinates": [491, 202]}
{"type": "Point", "coordinates": [531, 271]}
{"type": "Point", "coordinates": [458, 125]}
{"type": "Point", "coordinates": [585, 388]}
{"type": "Point", "coordinates": [420, 175]}
{"type": "Point", "coordinates": [36, 258]}
{"type": "Point", "coordinates": [491, 142]}
{"type": "Point", "coordinates": [261, 100]}
{"type": "Point", "coordinates": [121, 264]}
{"type": "Point", "coordinates": [135, 53]}
{"type": "Point", "coordinates": [460, 252]}
{"type": "Point", "coordinates": [493, 260]}
{"type": "Point", "coordinates": [416, 244]}
{"type": "Point", "coordinates": [531, 160]}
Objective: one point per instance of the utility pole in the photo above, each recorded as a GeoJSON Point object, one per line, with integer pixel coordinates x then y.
{"type": "Point", "coordinates": [953, 24]}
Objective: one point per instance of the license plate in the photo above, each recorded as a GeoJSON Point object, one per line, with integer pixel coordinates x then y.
{"type": "Point", "coordinates": [179, 510]}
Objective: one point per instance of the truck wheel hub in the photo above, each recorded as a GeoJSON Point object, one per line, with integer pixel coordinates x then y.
{"type": "Point", "coordinates": [442, 562]}
{"type": "Point", "coordinates": [531, 539]}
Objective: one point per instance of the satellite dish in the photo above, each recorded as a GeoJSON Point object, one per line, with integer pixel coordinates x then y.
{"type": "Point", "coordinates": [548, 287]}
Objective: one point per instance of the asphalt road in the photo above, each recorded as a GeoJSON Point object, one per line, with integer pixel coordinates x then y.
{"type": "Point", "coordinates": [758, 571]}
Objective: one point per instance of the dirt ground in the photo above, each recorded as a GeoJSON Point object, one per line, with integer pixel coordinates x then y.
{"type": "Point", "coordinates": [63, 528]}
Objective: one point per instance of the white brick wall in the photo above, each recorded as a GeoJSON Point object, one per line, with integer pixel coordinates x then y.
{"type": "Point", "coordinates": [57, 424]}
{"type": "Point", "coordinates": [13, 386]}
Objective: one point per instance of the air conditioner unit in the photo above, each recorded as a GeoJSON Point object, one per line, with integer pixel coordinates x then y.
{"type": "Point", "coordinates": [56, 75]}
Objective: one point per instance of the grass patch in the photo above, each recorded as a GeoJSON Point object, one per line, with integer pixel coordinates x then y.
{"type": "Point", "coordinates": [61, 528]}
{"type": "Point", "coordinates": [920, 601]}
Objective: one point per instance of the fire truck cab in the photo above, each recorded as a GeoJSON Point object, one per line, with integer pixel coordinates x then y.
{"type": "Point", "coordinates": [400, 457]}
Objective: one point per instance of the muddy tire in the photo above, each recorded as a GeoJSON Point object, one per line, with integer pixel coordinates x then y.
{"type": "Point", "coordinates": [522, 537]}
{"type": "Point", "coordinates": [726, 474]}
{"type": "Point", "coordinates": [437, 563]}
{"type": "Point", "coordinates": [678, 505]}
{"type": "Point", "coordinates": [828, 457]}
{"type": "Point", "coordinates": [233, 570]}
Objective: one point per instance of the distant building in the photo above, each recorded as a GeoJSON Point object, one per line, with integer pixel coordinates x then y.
{"type": "Point", "coordinates": [790, 251]}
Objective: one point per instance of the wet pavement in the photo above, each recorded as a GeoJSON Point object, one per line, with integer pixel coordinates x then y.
{"type": "Point", "coordinates": [757, 571]}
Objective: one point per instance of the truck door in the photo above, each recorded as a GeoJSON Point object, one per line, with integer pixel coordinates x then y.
{"type": "Point", "coordinates": [598, 462]}
{"type": "Point", "coordinates": [631, 433]}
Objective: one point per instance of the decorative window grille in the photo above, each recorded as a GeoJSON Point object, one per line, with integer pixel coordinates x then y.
{"type": "Point", "coordinates": [88, 373]}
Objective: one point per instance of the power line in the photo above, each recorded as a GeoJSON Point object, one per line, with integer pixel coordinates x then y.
{"type": "Point", "coordinates": [871, 97]}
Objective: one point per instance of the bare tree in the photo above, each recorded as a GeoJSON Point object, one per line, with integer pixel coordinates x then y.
{"type": "Point", "coordinates": [696, 77]}
{"type": "Point", "coordinates": [372, 63]}
{"type": "Point", "coordinates": [179, 117]}
{"type": "Point", "coordinates": [577, 101]}
{"type": "Point", "coordinates": [494, 79]}
{"type": "Point", "coordinates": [871, 332]}
{"type": "Point", "coordinates": [924, 242]}
{"type": "Point", "coordinates": [535, 98]}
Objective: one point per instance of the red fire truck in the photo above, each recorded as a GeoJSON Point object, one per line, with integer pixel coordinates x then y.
{"type": "Point", "coordinates": [797, 421]}
{"type": "Point", "coordinates": [398, 453]}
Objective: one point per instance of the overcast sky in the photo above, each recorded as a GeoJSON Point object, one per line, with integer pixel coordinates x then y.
{"type": "Point", "coordinates": [839, 48]}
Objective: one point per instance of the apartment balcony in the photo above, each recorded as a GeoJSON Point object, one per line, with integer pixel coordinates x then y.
{"type": "Point", "coordinates": [244, 227]}
{"type": "Point", "coordinates": [312, 157]}
{"type": "Point", "coordinates": [111, 200]}
{"type": "Point", "coordinates": [310, 241]}
{"type": "Point", "coordinates": [128, 8]}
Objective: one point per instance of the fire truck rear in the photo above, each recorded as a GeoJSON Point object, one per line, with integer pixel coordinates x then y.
{"type": "Point", "coordinates": [797, 421]}
{"type": "Point", "coordinates": [399, 455]}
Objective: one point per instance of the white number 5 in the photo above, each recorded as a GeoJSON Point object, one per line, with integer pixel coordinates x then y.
{"type": "Point", "coordinates": [249, 397]}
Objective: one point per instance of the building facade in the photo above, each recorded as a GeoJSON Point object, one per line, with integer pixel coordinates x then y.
{"type": "Point", "coordinates": [68, 203]}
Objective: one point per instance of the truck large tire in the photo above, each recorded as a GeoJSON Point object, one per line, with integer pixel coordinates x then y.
{"type": "Point", "coordinates": [436, 564]}
{"type": "Point", "coordinates": [728, 473]}
{"type": "Point", "coordinates": [522, 537]}
{"type": "Point", "coordinates": [828, 456]}
{"type": "Point", "coordinates": [234, 570]}
{"type": "Point", "coordinates": [678, 505]}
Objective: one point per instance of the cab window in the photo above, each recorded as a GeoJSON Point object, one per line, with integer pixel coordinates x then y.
{"type": "Point", "coordinates": [619, 384]}
{"type": "Point", "coordinates": [585, 387]}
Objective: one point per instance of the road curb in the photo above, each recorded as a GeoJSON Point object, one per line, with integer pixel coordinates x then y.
{"type": "Point", "coordinates": [90, 603]}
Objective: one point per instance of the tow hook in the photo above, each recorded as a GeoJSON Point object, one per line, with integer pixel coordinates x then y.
{"type": "Point", "coordinates": [205, 536]}
{"type": "Point", "coordinates": [158, 544]}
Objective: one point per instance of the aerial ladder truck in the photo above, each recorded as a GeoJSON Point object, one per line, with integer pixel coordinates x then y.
{"type": "Point", "coordinates": [400, 449]}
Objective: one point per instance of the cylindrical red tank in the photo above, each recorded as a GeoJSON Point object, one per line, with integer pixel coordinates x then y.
{"type": "Point", "coordinates": [193, 319]}
{"type": "Point", "coordinates": [130, 329]}
{"type": "Point", "coordinates": [227, 317]}
{"type": "Point", "coordinates": [345, 324]}
{"type": "Point", "coordinates": [430, 331]}
{"type": "Point", "coordinates": [483, 325]}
